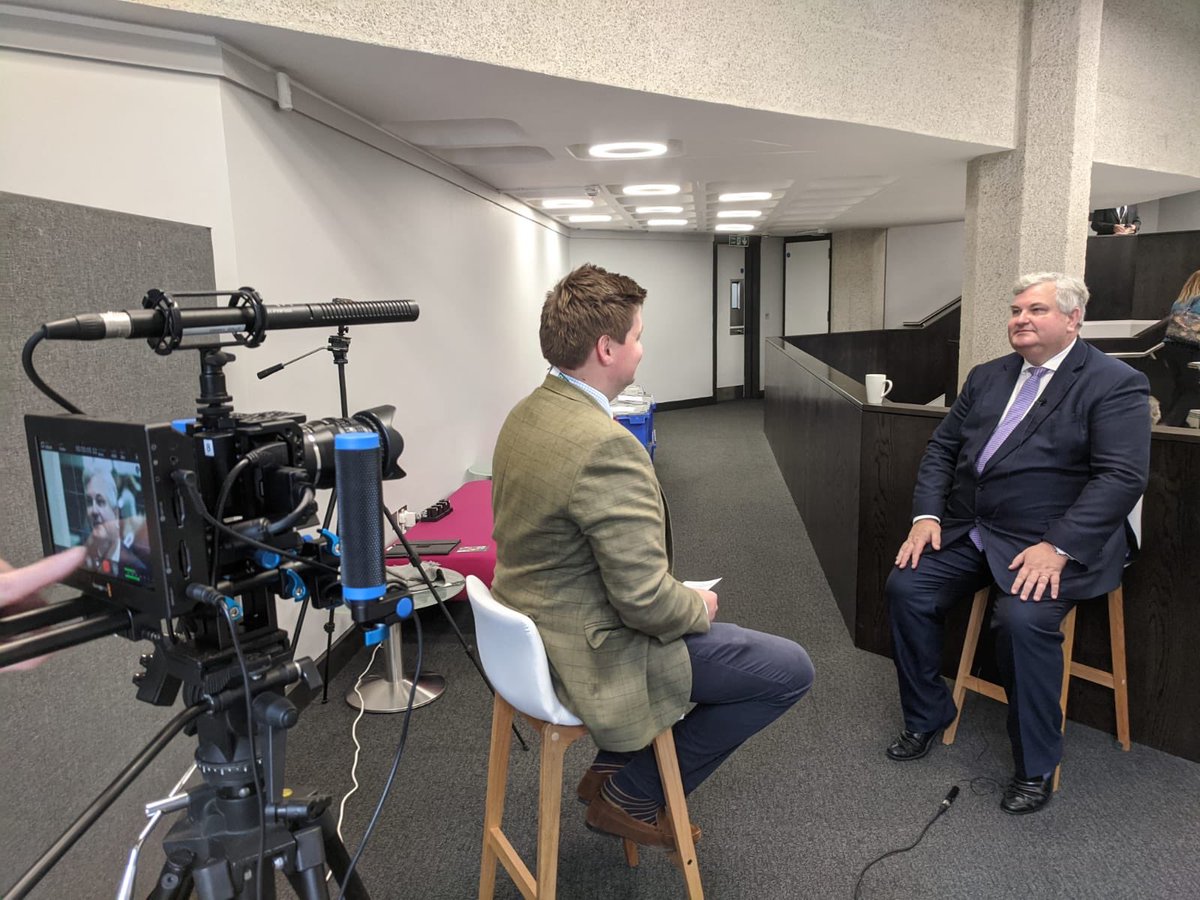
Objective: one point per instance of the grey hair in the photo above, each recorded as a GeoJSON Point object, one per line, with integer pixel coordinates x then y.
{"type": "Point", "coordinates": [1070, 293]}
{"type": "Point", "coordinates": [106, 472]}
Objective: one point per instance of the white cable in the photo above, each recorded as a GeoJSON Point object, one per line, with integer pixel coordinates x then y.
{"type": "Point", "coordinates": [362, 708]}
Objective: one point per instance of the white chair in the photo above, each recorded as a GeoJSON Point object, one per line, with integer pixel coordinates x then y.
{"type": "Point", "coordinates": [514, 659]}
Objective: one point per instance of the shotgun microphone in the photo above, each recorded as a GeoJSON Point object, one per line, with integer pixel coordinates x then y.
{"type": "Point", "coordinates": [150, 323]}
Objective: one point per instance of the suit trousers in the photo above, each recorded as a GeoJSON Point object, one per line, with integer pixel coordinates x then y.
{"type": "Point", "coordinates": [742, 681]}
{"type": "Point", "coordinates": [1028, 651]}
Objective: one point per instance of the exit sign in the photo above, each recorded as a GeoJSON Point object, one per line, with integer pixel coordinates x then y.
{"type": "Point", "coordinates": [739, 240]}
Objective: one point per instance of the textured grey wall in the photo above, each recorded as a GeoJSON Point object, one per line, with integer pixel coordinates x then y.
{"type": "Point", "coordinates": [72, 724]}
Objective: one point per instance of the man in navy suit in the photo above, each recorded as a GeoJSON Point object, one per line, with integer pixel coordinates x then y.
{"type": "Point", "coordinates": [1026, 483]}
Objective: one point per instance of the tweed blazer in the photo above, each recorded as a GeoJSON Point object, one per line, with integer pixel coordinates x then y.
{"type": "Point", "coordinates": [583, 547]}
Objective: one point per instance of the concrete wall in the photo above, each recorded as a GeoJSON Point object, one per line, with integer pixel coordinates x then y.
{"type": "Point", "coordinates": [1147, 114]}
{"type": "Point", "coordinates": [856, 279]}
{"type": "Point", "coordinates": [820, 58]}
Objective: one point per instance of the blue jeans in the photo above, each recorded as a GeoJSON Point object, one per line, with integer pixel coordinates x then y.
{"type": "Point", "coordinates": [742, 681]}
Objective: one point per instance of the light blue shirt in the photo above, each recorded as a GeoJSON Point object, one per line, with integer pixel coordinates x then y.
{"type": "Point", "coordinates": [586, 388]}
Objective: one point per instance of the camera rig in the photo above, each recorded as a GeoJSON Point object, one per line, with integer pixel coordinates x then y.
{"type": "Point", "coordinates": [193, 529]}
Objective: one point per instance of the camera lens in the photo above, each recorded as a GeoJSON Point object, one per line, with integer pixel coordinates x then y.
{"type": "Point", "coordinates": [319, 435]}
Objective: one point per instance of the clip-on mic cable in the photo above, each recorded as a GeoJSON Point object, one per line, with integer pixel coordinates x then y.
{"type": "Point", "coordinates": [946, 803]}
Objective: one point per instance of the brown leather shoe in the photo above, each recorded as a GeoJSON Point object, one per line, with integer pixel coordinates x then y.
{"type": "Point", "coordinates": [590, 784]}
{"type": "Point", "coordinates": [604, 817]}
{"type": "Point", "coordinates": [664, 822]}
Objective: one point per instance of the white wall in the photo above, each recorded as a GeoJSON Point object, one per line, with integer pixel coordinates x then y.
{"type": "Point", "coordinates": [676, 272]}
{"type": "Point", "coordinates": [924, 270]}
{"type": "Point", "coordinates": [1179, 213]}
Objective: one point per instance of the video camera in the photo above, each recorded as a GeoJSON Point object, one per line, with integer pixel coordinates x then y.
{"type": "Point", "coordinates": [192, 529]}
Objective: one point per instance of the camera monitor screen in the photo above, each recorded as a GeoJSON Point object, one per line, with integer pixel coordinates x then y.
{"type": "Point", "coordinates": [96, 497]}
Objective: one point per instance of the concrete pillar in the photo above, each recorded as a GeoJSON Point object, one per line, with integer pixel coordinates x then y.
{"type": "Point", "coordinates": [1027, 208]}
{"type": "Point", "coordinates": [856, 279]}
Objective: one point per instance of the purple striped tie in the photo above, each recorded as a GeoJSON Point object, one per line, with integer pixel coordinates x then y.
{"type": "Point", "coordinates": [1008, 424]}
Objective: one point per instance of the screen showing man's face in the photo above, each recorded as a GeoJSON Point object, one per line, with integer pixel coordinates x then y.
{"type": "Point", "coordinates": [98, 502]}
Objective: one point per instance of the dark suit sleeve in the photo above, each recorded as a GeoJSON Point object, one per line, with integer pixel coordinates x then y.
{"type": "Point", "coordinates": [1119, 448]}
{"type": "Point", "coordinates": [1101, 222]}
{"type": "Point", "coordinates": [617, 504]}
{"type": "Point", "coordinates": [935, 477]}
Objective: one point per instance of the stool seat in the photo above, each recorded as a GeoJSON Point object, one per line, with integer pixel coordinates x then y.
{"type": "Point", "coordinates": [514, 658]}
{"type": "Point", "coordinates": [1115, 680]}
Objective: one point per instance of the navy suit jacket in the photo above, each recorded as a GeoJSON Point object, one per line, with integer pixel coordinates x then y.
{"type": "Point", "coordinates": [1069, 473]}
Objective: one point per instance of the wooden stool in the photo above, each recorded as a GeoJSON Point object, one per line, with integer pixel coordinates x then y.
{"type": "Point", "coordinates": [1115, 680]}
{"type": "Point", "coordinates": [555, 740]}
{"type": "Point", "coordinates": [514, 659]}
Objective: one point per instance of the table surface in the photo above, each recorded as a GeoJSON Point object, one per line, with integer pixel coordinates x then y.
{"type": "Point", "coordinates": [469, 522]}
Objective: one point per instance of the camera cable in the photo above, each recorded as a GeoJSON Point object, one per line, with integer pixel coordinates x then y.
{"type": "Point", "coordinates": [27, 363]}
{"type": "Point", "coordinates": [362, 709]}
{"type": "Point", "coordinates": [387, 787]}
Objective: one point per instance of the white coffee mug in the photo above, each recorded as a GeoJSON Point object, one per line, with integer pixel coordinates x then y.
{"type": "Point", "coordinates": [878, 387]}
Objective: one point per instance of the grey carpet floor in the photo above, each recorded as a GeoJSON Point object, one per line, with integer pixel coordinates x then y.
{"type": "Point", "coordinates": [800, 809]}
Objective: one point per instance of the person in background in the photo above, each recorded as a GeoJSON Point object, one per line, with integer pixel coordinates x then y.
{"type": "Point", "coordinates": [1116, 220]}
{"type": "Point", "coordinates": [20, 589]}
{"type": "Point", "coordinates": [1181, 346]}
{"type": "Point", "coordinates": [583, 547]}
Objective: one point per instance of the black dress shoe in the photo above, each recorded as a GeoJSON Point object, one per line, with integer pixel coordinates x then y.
{"type": "Point", "coordinates": [911, 745]}
{"type": "Point", "coordinates": [1026, 795]}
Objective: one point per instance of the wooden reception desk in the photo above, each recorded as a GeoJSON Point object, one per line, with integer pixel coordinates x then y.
{"type": "Point", "coordinates": [851, 467]}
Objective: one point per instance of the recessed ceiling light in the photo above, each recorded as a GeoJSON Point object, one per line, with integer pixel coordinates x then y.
{"type": "Point", "coordinates": [568, 203]}
{"type": "Point", "coordinates": [645, 210]}
{"type": "Point", "coordinates": [666, 223]}
{"type": "Point", "coordinates": [589, 218]}
{"type": "Point", "coordinates": [739, 214]}
{"type": "Point", "coordinates": [735, 226]}
{"type": "Point", "coordinates": [627, 150]}
{"type": "Point", "coordinates": [744, 196]}
{"type": "Point", "coordinates": [650, 190]}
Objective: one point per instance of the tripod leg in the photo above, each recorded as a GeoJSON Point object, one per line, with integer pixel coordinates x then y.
{"type": "Point", "coordinates": [175, 878]}
{"type": "Point", "coordinates": [307, 875]}
{"type": "Point", "coordinates": [338, 858]}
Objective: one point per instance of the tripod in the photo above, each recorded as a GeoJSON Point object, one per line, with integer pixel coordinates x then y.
{"type": "Point", "coordinates": [214, 850]}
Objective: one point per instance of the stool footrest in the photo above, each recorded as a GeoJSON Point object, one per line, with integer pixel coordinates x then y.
{"type": "Point", "coordinates": [987, 688]}
{"type": "Point", "coordinates": [513, 864]}
{"type": "Point", "coordinates": [1096, 676]}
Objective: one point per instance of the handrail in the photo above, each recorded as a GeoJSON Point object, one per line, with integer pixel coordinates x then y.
{"type": "Point", "coordinates": [936, 314]}
{"type": "Point", "coordinates": [1137, 354]}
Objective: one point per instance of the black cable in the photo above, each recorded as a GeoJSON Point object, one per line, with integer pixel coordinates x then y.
{"type": "Point", "coordinates": [187, 479]}
{"type": "Point", "coordinates": [412, 693]}
{"type": "Point", "coordinates": [27, 363]}
{"type": "Point", "coordinates": [250, 729]}
{"type": "Point", "coordinates": [942, 807]}
{"type": "Point", "coordinates": [219, 512]}
{"type": "Point", "coordinates": [97, 807]}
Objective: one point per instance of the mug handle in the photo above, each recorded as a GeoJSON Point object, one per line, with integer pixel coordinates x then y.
{"type": "Point", "coordinates": [887, 387]}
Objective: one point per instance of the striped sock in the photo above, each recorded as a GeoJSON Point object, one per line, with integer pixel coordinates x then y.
{"type": "Point", "coordinates": [639, 807]}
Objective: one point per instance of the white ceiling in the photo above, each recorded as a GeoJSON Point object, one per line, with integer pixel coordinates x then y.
{"type": "Point", "coordinates": [516, 131]}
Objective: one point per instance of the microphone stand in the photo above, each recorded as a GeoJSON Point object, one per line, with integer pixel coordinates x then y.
{"type": "Point", "coordinates": [339, 345]}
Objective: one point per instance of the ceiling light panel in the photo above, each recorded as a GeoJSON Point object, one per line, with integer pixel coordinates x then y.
{"type": "Point", "coordinates": [589, 217]}
{"type": "Point", "coordinates": [655, 210]}
{"type": "Point", "coordinates": [735, 226]}
{"type": "Point", "coordinates": [657, 189]}
{"type": "Point", "coordinates": [744, 197]}
{"type": "Point", "coordinates": [667, 223]}
{"type": "Point", "coordinates": [583, 152]}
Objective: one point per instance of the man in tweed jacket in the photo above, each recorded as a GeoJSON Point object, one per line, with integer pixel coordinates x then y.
{"type": "Point", "coordinates": [584, 548]}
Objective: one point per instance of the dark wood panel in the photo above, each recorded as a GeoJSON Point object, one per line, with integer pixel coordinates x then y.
{"type": "Point", "coordinates": [1108, 274]}
{"type": "Point", "coordinates": [1164, 262]}
{"type": "Point", "coordinates": [813, 430]}
{"type": "Point", "coordinates": [922, 362]}
{"type": "Point", "coordinates": [892, 446]}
